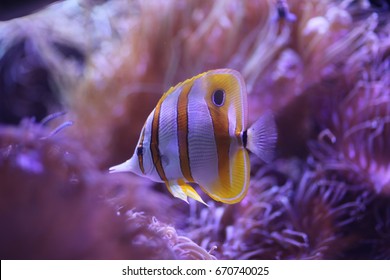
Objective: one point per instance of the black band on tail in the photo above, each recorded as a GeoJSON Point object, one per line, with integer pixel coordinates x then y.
{"type": "Point", "coordinates": [244, 138]}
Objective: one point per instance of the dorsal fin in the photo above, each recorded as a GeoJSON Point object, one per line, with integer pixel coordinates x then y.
{"type": "Point", "coordinates": [173, 88]}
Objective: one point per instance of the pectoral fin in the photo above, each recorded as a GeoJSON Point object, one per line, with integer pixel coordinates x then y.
{"type": "Point", "coordinates": [180, 189]}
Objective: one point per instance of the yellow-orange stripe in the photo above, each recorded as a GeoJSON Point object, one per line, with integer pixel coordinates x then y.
{"type": "Point", "coordinates": [220, 122]}
{"type": "Point", "coordinates": [182, 132]}
{"type": "Point", "coordinates": [239, 126]}
{"type": "Point", "coordinates": [154, 142]}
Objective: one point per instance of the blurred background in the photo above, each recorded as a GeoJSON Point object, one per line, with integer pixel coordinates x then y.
{"type": "Point", "coordinates": [322, 67]}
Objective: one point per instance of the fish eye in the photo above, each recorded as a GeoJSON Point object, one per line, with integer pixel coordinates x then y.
{"type": "Point", "coordinates": [218, 97]}
{"type": "Point", "coordinates": [140, 151]}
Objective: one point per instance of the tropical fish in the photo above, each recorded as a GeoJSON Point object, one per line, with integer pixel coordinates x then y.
{"type": "Point", "coordinates": [197, 134]}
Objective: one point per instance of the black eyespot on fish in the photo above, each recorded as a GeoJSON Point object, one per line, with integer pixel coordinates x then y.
{"type": "Point", "coordinates": [140, 151]}
{"type": "Point", "coordinates": [218, 97]}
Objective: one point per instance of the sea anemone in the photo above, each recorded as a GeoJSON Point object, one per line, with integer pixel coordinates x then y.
{"type": "Point", "coordinates": [53, 204]}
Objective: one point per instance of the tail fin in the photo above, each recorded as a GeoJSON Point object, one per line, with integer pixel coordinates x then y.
{"type": "Point", "coordinates": [262, 137]}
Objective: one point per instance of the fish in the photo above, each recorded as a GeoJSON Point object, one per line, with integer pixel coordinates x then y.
{"type": "Point", "coordinates": [197, 135]}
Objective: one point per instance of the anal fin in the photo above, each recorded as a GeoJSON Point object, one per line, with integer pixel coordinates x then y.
{"type": "Point", "coordinates": [232, 184]}
{"type": "Point", "coordinates": [181, 190]}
